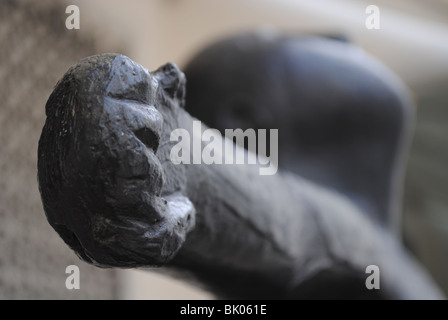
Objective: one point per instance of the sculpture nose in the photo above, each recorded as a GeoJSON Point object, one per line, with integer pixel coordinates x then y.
{"type": "Point", "coordinates": [130, 81]}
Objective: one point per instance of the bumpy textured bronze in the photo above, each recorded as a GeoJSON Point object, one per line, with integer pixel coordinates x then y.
{"type": "Point", "coordinates": [100, 180]}
{"type": "Point", "coordinates": [111, 192]}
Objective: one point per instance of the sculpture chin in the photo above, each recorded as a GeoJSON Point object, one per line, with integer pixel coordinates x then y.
{"type": "Point", "coordinates": [128, 241]}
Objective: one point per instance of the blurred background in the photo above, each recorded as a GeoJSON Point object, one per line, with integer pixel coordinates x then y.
{"type": "Point", "coordinates": [36, 50]}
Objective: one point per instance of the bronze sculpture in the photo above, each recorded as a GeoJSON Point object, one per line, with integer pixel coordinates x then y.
{"type": "Point", "coordinates": [111, 192]}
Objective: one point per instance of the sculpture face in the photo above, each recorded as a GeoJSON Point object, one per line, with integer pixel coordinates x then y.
{"type": "Point", "coordinates": [131, 127]}
{"type": "Point", "coordinates": [110, 181]}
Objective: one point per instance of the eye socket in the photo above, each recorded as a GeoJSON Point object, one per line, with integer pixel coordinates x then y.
{"type": "Point", "coordinates": [148, 138]}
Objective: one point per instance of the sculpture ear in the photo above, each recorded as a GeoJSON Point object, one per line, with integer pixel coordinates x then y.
{"type": "Point", "coordinates": [173, 81]}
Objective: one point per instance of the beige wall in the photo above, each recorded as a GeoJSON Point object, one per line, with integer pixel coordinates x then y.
{"type": "Point", "coordinates": [35, 52]}
{"type": "Point", "coordinates": [157, 31]}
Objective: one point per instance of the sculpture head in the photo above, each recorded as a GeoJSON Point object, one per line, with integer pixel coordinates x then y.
{"type": "Point", "coordinates": [99, 172]}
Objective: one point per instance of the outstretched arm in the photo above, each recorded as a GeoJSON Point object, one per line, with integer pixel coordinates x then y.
{"type": "Point", "coordinates": [111, 190]}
